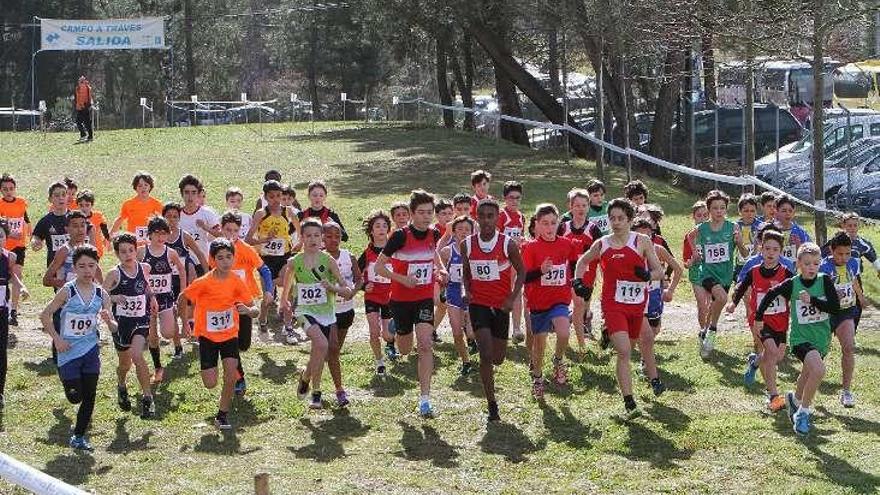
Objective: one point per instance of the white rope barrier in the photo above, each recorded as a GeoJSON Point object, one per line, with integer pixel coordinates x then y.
{"type": "Point", "coordinates": [20, 474]}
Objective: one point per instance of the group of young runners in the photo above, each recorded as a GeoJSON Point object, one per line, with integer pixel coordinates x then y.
{"type": "Point", "coordinates": [185, 272]}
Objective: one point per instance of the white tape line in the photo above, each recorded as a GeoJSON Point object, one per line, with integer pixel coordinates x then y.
{"type": "Point", "coordinates": [19, 473]}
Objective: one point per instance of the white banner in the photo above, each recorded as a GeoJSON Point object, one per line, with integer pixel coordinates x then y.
{"type": "Point", "coordinates": [102, 34]}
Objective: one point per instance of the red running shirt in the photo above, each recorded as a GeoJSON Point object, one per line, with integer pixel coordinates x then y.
{"type": "Point", "coordinates": [554, 287]}
{"type": "Point", "coordinates": [622, 291]}
{"type": "Point", "coordinates": [490, 271]}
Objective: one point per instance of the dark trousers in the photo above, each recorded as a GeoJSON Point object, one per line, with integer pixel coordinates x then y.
{"type": "Point", "coordinates": [84, 122]}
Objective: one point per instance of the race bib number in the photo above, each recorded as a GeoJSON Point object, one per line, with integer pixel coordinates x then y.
{"type": "Point", "coordinates": [789, 251]}
{"type": "Point", "coordinates": [141, 233]}
{"type": "Point", "coordinates": [219, 321]}
{"type": "Point", "coordinates": [58, 240]}
{"type": "Point", "coordinates": [776, 307]}
{"type": "Point", "coordinates": [240, 274]}
{"type": "Point", "coordinates": [630, 292]}
{"type": "Point", "coordinates": [15, 225]}
{"type": "Point", "coordinates": [160, 284]}
{"type": "Point", "coordinates": [311, 294]}
{"type": "Point", "coordinates": [274, 247]}
{"type": "Point", "coordinates": [485, 270]}
{"type": "Point", "coordinates": [846, 294]}
{"type": "Point", "coordinates": [555, 277]}
{"type": "Point", "coordinates": [79, 325]}
{"type": "Point", "coordinates": [374, 277]}
{"type": "Point", "coordinates": [514, 233]}
{"type": "Point", "coordinates": [132, 306]}
{"type": "Point", "coordinates": [423, 273]}
{"type": "Point", "coordinates": [455, 272]}
{"type": "Point", "coordinates": [808, 313]}
{"type": "Point", "coordinates": [717, 253]}
{"type": "Point", "coordinates": [603, 223]}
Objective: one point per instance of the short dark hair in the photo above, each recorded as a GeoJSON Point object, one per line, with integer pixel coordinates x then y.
{"type": "Point", "coordinates": [85, 250]}
{"type": "Point", "coordinates": [7, 178]}
{"type": "Point", "coordinates": [316, 184]}
{"type": "Point", "coordinates": [419, 197]}
{"type": "Point", "coordinates": [511, 186]}
{"type": "Point", "coordinates": [56, 185]}
{"type": "Point", "coordinates": [717, 195]}
{"type": "Point", "coordinates": [233, 191]}
{"type": "Point", "coordinates": [124, 238]}
{"type": "Point", "coordinates": [220, 244]}
{"type": "Point", "coordinates": [288, 190]}
{"type": "Point", "coordinates": [642, 223]}
{"type": "Point", "coordinates": [442, 204]}
{"type": "Point", "coordinates": [596, 185]}
{"type": "Point", "coordinates": [372, 218]}
{"type": "Point", "coordinates": [478, 176]}
{"type": "Point", "coordinates": [747, 199]}
{"type": "Point", "coordinates": [190, 180]}
{"type": "Point", "coordinates": [311, 222]}
{"type": "Point", "coordinates": [783, 199]}
{"type": "Point", "coordinates": [491, 203]}
{"type": "Point", "coordinates": [399, 205]}
{"type": "Point", "coordinates": [272, 185]}
{"type": "Point", "coordinates": [171, 205]}
{"type": "Point", "coordinates": [635, 188]}
{"type": "Point", "coordinates": [74, 214]}
{"type": "Point", "coordinates": [143, 176]}
{"type": "Point", "coordinates": [157, 224]}
{"type": "Point", "coordinates": [230, 217]}
{"type": "Point", "coordinates": [545, 209]}
{"type": "Point", "coordinates": [768, 196]}
{"type": "Point", "coordinates": [70, 183]}
{"type": "Point", "coordinates": [85, 195]}
{"type": "Point", "coordinates": [624, 205]}
{"type": "Point", "coordinates": [840, 239]}
{"type": "Point", "coordinates": [460, 198]}
{"type": "Point", "coordinates": [462, 219]}
{"type": "Point", "coordinates": [772, 235]}
{"type": "Point", "coordinates": [272, 175]}
{"type": "Point", "coordinates": [697, 205]}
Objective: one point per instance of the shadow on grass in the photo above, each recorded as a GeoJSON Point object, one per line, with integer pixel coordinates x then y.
{"type": "Point", "coordinates": [605, 381]}
{"type": "Point", "coordinates": [59, 433]}
{"type": "Point", "coordinates": [45, 367]}
{"type": "Point", "coordinates": [328, 437]}
{"type": "Point", "coordinates": [645, 445]}
{"type": "Point", "coordinates": [838, 471]}
{"type": "Point", "coordinates": [389, 385]}
{"type": "Point", "coordinates": [74, 468]}
{"type": "Point", "coordinates": [852, 423]}
{"type": "Point", "coordinates": [730, 368]}
{"type": "Point", "coordinates": [122, 442]}
{"type": "Point", "coordinates": [272, 371]}
{"type": "Point", "coordinates": [675, 382]}
{"type": "Point", "coordinates": [507, 440]}
{"type": "Point", "coordinates": [222, 443]}
{"type": "Point", "coordinates": [470, 383]}
{"type": "Point", "coordinates": [675, 420]}
{"type": "Point", "coordinates": [564, 427]}
{"type": "Point", "coordinates": [425, 444]}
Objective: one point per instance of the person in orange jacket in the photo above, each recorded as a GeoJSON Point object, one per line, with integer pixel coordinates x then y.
{"type": "Point", "coordinates": [82, 101]}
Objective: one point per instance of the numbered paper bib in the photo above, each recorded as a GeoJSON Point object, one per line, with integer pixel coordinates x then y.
{"type": "Point", "coordinates": [717, 253]}
{"type": "Point", "coordinates": [513, 232]}
{"type": "Point", "coordinates": [485, 270]}
{"type": "Point", "coordinates": [58, 240]}
{"type": "Point", "coordinates": [132, 306]}
{"type": "Point", "coordinates": [311, 294]}
{"type": "Point", "coordinates": [630, 292]}
{"type": "Point", "coordinates": [423, 273]}
{"type": "Point", "coordinates": [846, 294]}
{"type": "Point", "coordinates": [555, 277]}
{"type": "Point", "coordinates": [141, 233]}
{"type": "Point", "coordinates": [219, 321]}
{"type": "Point", "coordinates": [776, 307]}
{"type": "Point", "coordinates": [275, 247]}
{"type": "Point", "coordinates": [15, 225]}
{"type": "Point", "coordinates": [374, 277]}
{"type": "Point", "coordinates": [160, 284]}
{"type": "Point", "coordinates": [807, 313]}
{"type": "Point", "coordinates": [789, 251]}
{"type": "Point", "coordinates": [455, 272]}
{"type": "Point", "coordinates": [602, 222]}
{"type": "Point", "coordinates": [79, 325]}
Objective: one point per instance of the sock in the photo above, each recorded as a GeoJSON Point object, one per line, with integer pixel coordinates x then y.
{"type": "Point", "coordinates": [629, 402]}
{"type": "Point", "coordinates": [157, 358]}
{"type": "Point", "coordinates": [424, 398]}
{"type": "Point", "coordinates": [380, 362]}
{"type": "Point", "coordinates": [713, 328]}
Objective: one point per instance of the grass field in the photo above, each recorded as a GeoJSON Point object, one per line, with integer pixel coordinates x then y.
{"type": "Point", "coordinates": [707, 434]}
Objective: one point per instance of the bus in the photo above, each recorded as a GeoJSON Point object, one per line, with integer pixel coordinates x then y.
{"type": "Point", "coordinates": [855, 85]}
{"type": "Point", "coordinates": [785, 83]}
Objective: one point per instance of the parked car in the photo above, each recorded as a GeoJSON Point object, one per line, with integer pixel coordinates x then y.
{"type": "Point", "coordinates": [865, 202]}
{"type": "Point", "coordinates": [863, 164]}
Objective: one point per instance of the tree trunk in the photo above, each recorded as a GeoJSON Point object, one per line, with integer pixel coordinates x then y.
{"type": "Point", "coordinates": [709, 69]}
{"type": "Point", "coordinates": [188, 52]}
{"type": "Point", "coordinates": [465, 87]}
{"type": "Point", "coordinates": [664, 109]}
{"type": "Point", "coordinates": [749, 118]}
{"type": "Point", "coordinates": [442, 81]}
{"type": "Point", "coordinates": [818, 122]}
{"type": "Point", "coordinates": [505, 63]}
{"type": "Point", "coordinates": [553, 62]}
{"type": "Point", "coordinates": [312, 71]}
{"type": "Point", "coordinates": [468, 46]}
{"type": "Point", "coordinates": [508, 104]}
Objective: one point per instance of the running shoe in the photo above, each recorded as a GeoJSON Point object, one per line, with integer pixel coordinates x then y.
{"type": "Point", "coordinates": [391, 351]}
{"type": "Point", "coordinates": [847, 399]}
{"type": "Point", "coordinates": [303, 389]}
{"type": "Point", "coordinates": [493, 412]}
{"type": "Point", "coordinates": [240, 387]}
{"type": "Point", "coordinates": [178, 353]}
{"type": "Point", "coordinates": [588, 326]}
{"type": "Point", "coordinates": [538, 388]}
{"type": "Point", "coordinates": [466, 368]}
{"type": "Point", "coordinates": [472, 346]}
{"type": "Point", "coordinates": [791, 404]}
{"type": "Point", "coordinates": [801, 420]}
{"type": "Point", "coordinates": [707, 345]}
{"type": "Point", "coordinates": [221, 421]}
{"type": "Point", "coordinates": [122, 399]}
{"type": "Point", "coordinates": [751, 369]}
{"type": "Point", "coordinates": [342, 399]}
{"type": "Point", "coordinates": [13, 318]}
{"type": "Point", "coordinates": [436, 337]}
{"type": "Point", "coordinates": [632, 411]}
{"type": "Point", "coordinates": [582, 353]}
{"type": "Point", "coordinates": [425, 409]}
{"type": "Point", "coordinates": [776, 404]}
{"type": "Point", "coordinates": [290, 335]}
{"type": "Point", "coordinates": [148, 408]}
{"type": "Point", "coordinates": [658, 387]}
{"type": "Point", "coordinates": [315, 403]}
{"type": "Point", "coordinates": [518, 336]}
{"type": "Point", "coordinates": [380, 370]}
{"type": "Point", "coordinates": [264, 326]}
{"type": "Point", "coordinates": [158, 376]}
{"type": "Point", "coordinates": [79, 442]}
{"type": "Point", "coordinates": [560, 372]}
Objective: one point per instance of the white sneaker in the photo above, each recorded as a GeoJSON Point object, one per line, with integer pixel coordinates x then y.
{"type": "Point", "coordinates": [847, 399]}
{"type": "Point", "coordinates": [290, 336]}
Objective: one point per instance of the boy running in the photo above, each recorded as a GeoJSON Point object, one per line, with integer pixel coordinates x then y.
{"type": "Point", "coordinates": [400, 215]}
{"type": "Point", "coordinates": [480, 180]}
{"type": "Point", "coordinates": [768, 207]}
{"type": "Point", "coordinates": [136, 211]}
{"type": "Point", "coordinates": [793, 233]}
{"type": "Point", "coordinates": [377, 289]}
{"type": "Point", "coordinates": [598, 213]}
{"type": "Point", "coordinates": [164, 262]}
{"type": "Point", "coordinates": [199, 221]}
{"type": "Point", "coordinates": [489, 260]}
{"type": "Point", "coordinates": [512, 223]}
{"type": "Point", "coordinates": [85, 201]}
{"type": "Point", "coordinates": [350, 277]}
{"type": "Point", "coordinates": [234, 200]}
{"type": "Point", "coordinates": [218, 299]}
{"type": "Point", "coordinates": [13, 209]}
{"type": "Point", "coordinates": [317, 209]}
{"type": "Point", "coordinates": [450, 256]}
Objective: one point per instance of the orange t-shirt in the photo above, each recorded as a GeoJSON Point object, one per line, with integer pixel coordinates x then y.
{"type": "Point", "coordinates": [96, 220]}
{"type": "Point", "coordinates": [245, 262]}
{"type": "Point", "coordinates": [215, 314]}
{"type": "Point", "coordinates": [136, 213]}
{"type": "Point", "coordinates": [83, 94]}
{"type": "Point", "coordinates": [15, 213]}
